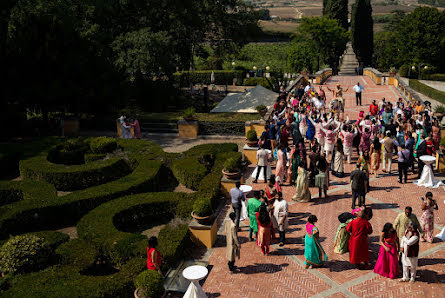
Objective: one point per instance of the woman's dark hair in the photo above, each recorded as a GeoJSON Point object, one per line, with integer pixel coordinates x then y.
{"type": "Point", "coordinates": [386, 228]}
{"type": "Point", "coordinates": [312, 219]}
{"type": "Point", "coordinates": [303, 164]}
{"type": "Point", "coordinates": [339, 146]}
{"type": "Point", "coordinates": [272, 179]}
{"type": "Point", "coordinates": [377, 145]}
{"type": "Point", "coordinates": [368, 213]}
{"type": "Point", "coordinates": [256, 194]}
{"type": "Point", "coordinates": [263, 216]}
{"type": "Point", "coordinates": [153, 242]}
{"type": "Point", "coordinates": [232, 216]}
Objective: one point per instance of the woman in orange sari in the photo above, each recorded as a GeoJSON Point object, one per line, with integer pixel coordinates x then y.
{"type": "Point", "coordinates": [264, 229]}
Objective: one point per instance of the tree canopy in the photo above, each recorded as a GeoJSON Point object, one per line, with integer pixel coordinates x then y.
{"type": "Point", "coordinates": [338, 10]}
{"type": "Point", "coordinates": [325, 39]}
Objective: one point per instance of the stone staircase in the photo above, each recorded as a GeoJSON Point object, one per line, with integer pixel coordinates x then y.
{"type": "Point", "coordinates": [349, 62]}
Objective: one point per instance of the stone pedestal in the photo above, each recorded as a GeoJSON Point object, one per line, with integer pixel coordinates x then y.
{"type": "Point", "coordinates": [227, 185]}
{"type": "Point", "coordinates": [71, 127]}
{"type": "Point", "coordinates": [188, 129]}
{"type": "Point", "coordinates": [203, 234]}
{"type": "Point", "coordinates": [249, 154]}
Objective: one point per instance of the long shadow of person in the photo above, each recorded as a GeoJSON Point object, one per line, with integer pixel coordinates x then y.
{"type": "Point", "coordinates": [262, 268]}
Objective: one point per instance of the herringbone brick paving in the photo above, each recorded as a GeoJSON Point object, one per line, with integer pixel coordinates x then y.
{"type": "Point", "coordinates": [282, 275]}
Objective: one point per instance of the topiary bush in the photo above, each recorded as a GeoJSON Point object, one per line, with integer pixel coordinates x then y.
{"type": "Point", "coordinates": [189, 171]}
{"type": "Point", "coordinates": [266, 83]}
{"type": "Point", "coordinates": [203, 207]}
{"type": "Point", "coordinates": [151, 283]}
{"type": "Point", "coordinates": [232, 164]}
{"type": "Point", "coordinates": [24, 253]}
{"type": "Point", "coordinates": [90, 157]}
{"type": "Point", "coordinates": [76, 176]}
{"type": "Point", "coordinates": [251, 135]}
{"type": "Point", "coordinates": [103, 145]}
{"type": "Point", "coordinates": [70, 152]}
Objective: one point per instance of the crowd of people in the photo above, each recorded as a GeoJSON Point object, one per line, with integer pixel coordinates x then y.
{"type": "Point", "coordinates": [308, 140]}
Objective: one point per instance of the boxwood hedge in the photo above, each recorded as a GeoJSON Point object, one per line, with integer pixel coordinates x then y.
{"type": "Point", "coordinates": [103, 145]}
{"type": "Point", "coordinates": [105, 226]}
{"type": "Point", "coordinates": [44, 212]}
{"type": "Point", "coordinates": [189, 171]}
{"type": "Point", "coordinates": [73, 177]}
{"type": "Point", "coordinates": [66, 279]}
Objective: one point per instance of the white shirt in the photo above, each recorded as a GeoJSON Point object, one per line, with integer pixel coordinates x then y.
{"type": "Point", "coordinates": [306, 89]}
{"type": "Point", "coordinates": [358, 88]}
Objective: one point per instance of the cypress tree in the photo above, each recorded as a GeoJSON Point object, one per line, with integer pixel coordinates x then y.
{"type": "Point", "coordinates": [338, 10]}
{"type": "Point", "coordinates": [362, 31]}
{"type": "Point", "coordinates": [326, 5]}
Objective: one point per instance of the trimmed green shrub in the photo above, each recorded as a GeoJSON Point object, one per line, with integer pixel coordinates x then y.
{"type": "Point", "coordinates": [23, 254]}
{"type": "Point", "coordinates": [266, 83]}
{"type": "Point", "coordinates": [427, 90]}
{"type": "Point", "coordinates": [75, 176]}
{"type": "Point", "coordinates": [211, 149]}
{"type": "Point", "coordinates": [52, 238]}
{"type": "Point", "coordinates": [403, 70]}
{"type": "Point", "coordinates": [105, 226]}
{"type": "Point", "coordinates": [70, 152]}
{"type": "Point", "coordinates": [13, 191]}
{"type": "Point", "coordinates": [90, 157]}
{"type": "Point", "coordinates": [103, 145]}
{"type": "Point", "coordinates": [44, 211]}
{"type": "Point", "coordinates": [173, 242]}
{"type": "Point", "coordinates": [232, 164]}
{"type": "Point", "coordinates": [150, 282]}
{"type": "Point", "coordinates": [66, 279]}
{"type": "Point", "coordinates": [251, 135]}
{"type": "Point", "coordinates": [189, 171]}
{"type": "Point", "coordinates": [435, 77]}
{"type": "Point", "coordinates": [203, 207]}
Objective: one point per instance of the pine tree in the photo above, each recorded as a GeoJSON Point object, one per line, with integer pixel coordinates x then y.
{"type": "Point", "coordinates": [362, 31]}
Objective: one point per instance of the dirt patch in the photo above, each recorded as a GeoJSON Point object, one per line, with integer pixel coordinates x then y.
{"type": "Point", "coordinates": [154, 231]}
{"type": "Point", "coordinates": [63, 193]}
{"type": "Point", "coordinates": [70, 231]}
{"type": "Point", "coordinates": [183, 188]}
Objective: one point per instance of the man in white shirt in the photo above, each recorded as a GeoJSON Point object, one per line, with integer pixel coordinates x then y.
{"type": "Point", "coordinates": [358, 93]}
{"type": "Point", "coordinates": [308, 86]}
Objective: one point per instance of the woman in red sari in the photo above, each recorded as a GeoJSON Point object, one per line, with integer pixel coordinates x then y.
{"type": "Point", "coordinates": [264, 229]}
{"type": "Point", "coordinates": [388, 262]}
{"type": "Point", "coordinates": [271, 192]}
{"type": "Point", "coordinates": [359, 229]}
{"type": "Point", "coordinates": [154, 257]}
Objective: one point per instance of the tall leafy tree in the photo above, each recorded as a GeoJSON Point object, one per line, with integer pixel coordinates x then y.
{"type": "Point", "coordinates": [338, 10]}
{"type": "Point", "coordinates": [325, 36]}
{"type": "Point", "coordinates": [421, 37]}
{"type": "Point", "coordinates": [362, 31]}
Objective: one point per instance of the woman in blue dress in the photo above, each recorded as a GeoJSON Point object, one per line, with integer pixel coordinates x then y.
{"type": "Point", "coordinates": [313, 252]}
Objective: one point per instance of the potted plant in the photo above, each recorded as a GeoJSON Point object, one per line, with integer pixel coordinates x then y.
{"type": "Point", "coordinates": [149, 283]}
{"type": "Point", "coordinates": [252, 138]}
{"type": "Point", "coordinates": [189, 114]}
{"type": "Point", "coordinates": [232, 168]}
{"type": "Point", "coordinates": [262, 109]}
{"type": "Point", "coordinates": [392, 71]}
{"type": "Point", "coordinates": [439, 111]}
{"type": "Point", "coordinates": [305, 72]}
{"type": "Point", "coordinates": [202, 211]}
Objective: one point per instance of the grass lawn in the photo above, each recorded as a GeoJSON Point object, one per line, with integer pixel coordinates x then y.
{"type": "Point", "coordinates": [205, 117]}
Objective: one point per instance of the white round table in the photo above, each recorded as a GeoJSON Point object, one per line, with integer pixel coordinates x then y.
{"type": "Point", "coordinates": [245, 188]}
{"type": "Point", "coordinates": [427, 178]}
{"type": "Point", "coordinates": [195, 273]}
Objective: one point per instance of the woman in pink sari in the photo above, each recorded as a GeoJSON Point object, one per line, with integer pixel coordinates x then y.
{"type": "Point", "coordinates": [388, 262]}
{"type": "Point", "coordinates": [280, 169]}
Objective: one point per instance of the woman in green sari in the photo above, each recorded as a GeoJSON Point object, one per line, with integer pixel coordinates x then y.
{"type": "Point", "coordinates": [313, 252]}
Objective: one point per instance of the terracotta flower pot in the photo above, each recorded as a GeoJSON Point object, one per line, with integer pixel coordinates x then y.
{"type": "Point", "coordinates": [138, 293]}
{"type": "Point", "coordinates": [231, 175]}
{"type": "Point", "coordinates": [204, 220]}
{"type": "Point", "coordinates": [189, 118]}
{"type": "Point", "coordinates": [252, 143]}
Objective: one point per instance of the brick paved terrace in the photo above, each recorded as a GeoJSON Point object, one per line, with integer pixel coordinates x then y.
{"type": "Point", "coordinates": [282, 274]}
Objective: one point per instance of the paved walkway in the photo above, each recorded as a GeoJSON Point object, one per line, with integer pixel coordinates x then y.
{"type": "Point", "coordinates": [282, 274]}
{"type": "Point", "coordinates": [349, 62]}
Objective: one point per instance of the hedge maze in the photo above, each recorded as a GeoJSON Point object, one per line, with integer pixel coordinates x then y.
{"type": "Point", "coordinates": [112, 190]}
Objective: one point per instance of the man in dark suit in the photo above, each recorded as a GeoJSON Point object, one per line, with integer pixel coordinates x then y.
{"type": "Point", "coordinates": [358, 186]}
{"type": "Point", "coordinates": [421, 150]}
